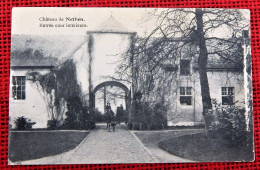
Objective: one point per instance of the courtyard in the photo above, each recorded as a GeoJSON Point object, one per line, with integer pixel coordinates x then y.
{"type": "Point", "coordinates": [121, 146]}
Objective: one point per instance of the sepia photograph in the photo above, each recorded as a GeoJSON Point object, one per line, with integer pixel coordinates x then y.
{"type": "Point", "coordinates": [130, 85]}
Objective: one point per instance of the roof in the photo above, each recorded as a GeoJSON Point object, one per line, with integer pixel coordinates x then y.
{"type": "Point", "coordinates": [224, 56]}
{"type": "Point", "coordinates": [34, 51]}
{"type": "Point", "coordinates": [219, 58]}
{"type": "Point", "coordinates": [111, 24]}
{"type": "Point", "coordinates": [29, 58]}
{"type": "Point", "coordinates": [44, 63]}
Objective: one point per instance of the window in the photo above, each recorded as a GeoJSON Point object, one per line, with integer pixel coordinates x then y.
{"type": "Point", "coordinates": [227, 95]}
{"type": "Point", "coordinates": [185, 67]}
{"type": "Point", "coordinates": [185, 95]}
{"type": "Point", "coordinates": [18, 88]}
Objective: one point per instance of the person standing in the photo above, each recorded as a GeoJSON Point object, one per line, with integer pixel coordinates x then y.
{"type": "Point", "coordinates": [108, 115]}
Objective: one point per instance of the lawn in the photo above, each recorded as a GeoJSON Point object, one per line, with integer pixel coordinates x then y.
{"type": "Point", "coordinates": [38, 144]}
{"type": "Point", "coordinates": [198, 147]}
{"type": "Point", "coordinates": [152, 138]}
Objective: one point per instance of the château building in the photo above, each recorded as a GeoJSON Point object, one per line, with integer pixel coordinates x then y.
{"type": "Point", "coordinates": [102, 49]}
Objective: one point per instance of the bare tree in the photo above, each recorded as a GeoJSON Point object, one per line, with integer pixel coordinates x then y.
{"type": "Point", "coordinates": [199, 32]}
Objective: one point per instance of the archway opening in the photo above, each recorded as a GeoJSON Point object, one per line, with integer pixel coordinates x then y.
{"type": "Point", "coordinates": [114, 94]}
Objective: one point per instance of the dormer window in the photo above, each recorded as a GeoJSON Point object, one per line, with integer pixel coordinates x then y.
{"type": "Point", "coordinates": [185, 67]}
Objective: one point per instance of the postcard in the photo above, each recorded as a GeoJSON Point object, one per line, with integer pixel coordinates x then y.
{"type": "Point", "coordinates": [130, 85]}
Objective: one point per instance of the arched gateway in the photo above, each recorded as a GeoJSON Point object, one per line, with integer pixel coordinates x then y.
{"type": "Point", "coordinates": [112, 83]}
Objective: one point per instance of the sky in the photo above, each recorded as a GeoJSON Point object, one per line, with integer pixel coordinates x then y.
{"type": "Point", "coordinates": [27, 20]}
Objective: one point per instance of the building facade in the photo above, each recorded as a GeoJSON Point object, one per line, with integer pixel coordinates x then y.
{"type": "Point", "coordinates": [27, 98]}
{"type": "Point", "coordinates": [183, 98]}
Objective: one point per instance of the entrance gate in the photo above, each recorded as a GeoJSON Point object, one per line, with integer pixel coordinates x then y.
{"type": "Point", "coordinates": [112, 83]}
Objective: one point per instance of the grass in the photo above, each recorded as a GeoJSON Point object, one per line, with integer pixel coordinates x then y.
{"type": "Point", "coordinates": [33, 145]}
{"type": "Point", "coordinates": [198, 147]}
{"type": "Point", "coordinates": [152, 138]}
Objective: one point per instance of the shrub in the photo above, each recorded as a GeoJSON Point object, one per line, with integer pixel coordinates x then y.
{"type": "Point", "coordinates": [147, 116]}
{"type": "Point", "coordinates": [78, 116]}
{"type": "Point", "coordinates": [52, 124]}
{"type": "Point", "coordinates": [71, 121]}
{"type": "Point", "coordinates": [230, 124]}
{"type": "Point", "coordinates": [160, 118]}
{"type": "Point", "coordinates": [90, 125]}
{"type": "Point", "coordinates": [23, 123]}
{"type": "Point", "coordinates": [98, 116]}
{"type": "Point", "coordinates": [130, 125]}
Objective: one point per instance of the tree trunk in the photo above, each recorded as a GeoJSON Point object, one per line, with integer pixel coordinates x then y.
{"type": "Point", "coordinates": [202, 62]}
